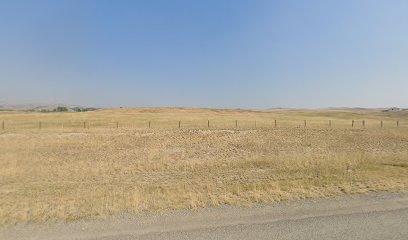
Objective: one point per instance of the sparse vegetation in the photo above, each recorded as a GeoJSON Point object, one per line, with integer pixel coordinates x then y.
{"type": "Point", "coordinates": [70, 173]}
{"type": "Point", "coordinates": [61, 109]}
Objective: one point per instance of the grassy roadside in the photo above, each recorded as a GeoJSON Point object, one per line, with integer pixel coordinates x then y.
{"type": "Point", "coordinates": [49, 176]}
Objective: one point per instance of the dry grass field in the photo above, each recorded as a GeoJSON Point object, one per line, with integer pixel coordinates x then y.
{"type": "Point", "coordinates": [168, 118]}
{"type": "Point", "coordinates": [65, 172]}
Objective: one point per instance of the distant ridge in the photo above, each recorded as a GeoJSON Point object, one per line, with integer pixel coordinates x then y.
{"type": "Point", "coordinates": [43, 107]}
{"type": "Point", "coordinates": [78, 108]}
{"type": "Point", "coordinates": [391, 109]}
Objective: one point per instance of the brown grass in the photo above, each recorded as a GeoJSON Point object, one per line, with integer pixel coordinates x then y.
{"type": "Point", "coordinates": [72, 174]}
{"type": "Point", "coordinates": [168, 118]}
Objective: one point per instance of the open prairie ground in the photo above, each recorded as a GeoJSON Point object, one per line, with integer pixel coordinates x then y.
{"type": "Point", "coordinates": [72, 166]}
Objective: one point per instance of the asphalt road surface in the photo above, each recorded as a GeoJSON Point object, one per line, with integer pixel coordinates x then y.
{"type": "Point", "coordinates": [371, 216]}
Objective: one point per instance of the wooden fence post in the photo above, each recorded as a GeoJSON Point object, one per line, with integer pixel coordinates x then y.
{"type": "Point", "coordinates": [179, 124]}
{"type": "Point", "coordinates": [2, 125]}
{"type": "Point", "coordinates": [363, 123]}
{"type": "Point", "coordinates": [117, 124]}
{"type": "Point", "coordinates": [208, 123]}
{"type": "Point", "coordinates": [397, 123]}
{"type": "Point", "coordinates": [382, 123]}
{"type": "Point", "coordinates": [352, 123]}
{"type": "Point", "coordinates": [255, 124]}
{"type": "Point", "coordinates": [149, 123]}
{"type": "Point", "coordinates": [305, 124]}
{"type": "Point", "coordinates": [329, 123]}
{"type": "Point", "coordinates": [236, 123]}
{"type": "Point", "coordinates": [275, 124]}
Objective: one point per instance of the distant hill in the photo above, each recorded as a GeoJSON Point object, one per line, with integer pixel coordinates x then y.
{"type": "Point", "coordinates": [359, 109]}
{"type": "Point", "coordinates": [394, 109]}
{"type": "Point", "coordinates": [45, 107]}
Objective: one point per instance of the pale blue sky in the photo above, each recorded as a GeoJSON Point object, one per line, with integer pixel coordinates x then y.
{"type": "Point", "coordinates": [212, 53]}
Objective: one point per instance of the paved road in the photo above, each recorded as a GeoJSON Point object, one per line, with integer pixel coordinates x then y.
{"type": "Point", "coordinates": [373, 216]}
{"type": "Point", "coordinates": [374, 225]}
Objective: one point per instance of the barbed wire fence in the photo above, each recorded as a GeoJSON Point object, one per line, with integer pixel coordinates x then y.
{"type": "Point", "coordinates": [11, 125]}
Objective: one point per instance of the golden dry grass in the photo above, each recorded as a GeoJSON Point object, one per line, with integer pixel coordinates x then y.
{"type": "Point", "coordinates": [73, 173]}
{"type": "Point", "coordinates": [168, 118]}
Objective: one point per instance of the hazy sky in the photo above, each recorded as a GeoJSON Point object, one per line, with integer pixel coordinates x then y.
{"type": "Point", "coordinates": [228, 54]}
